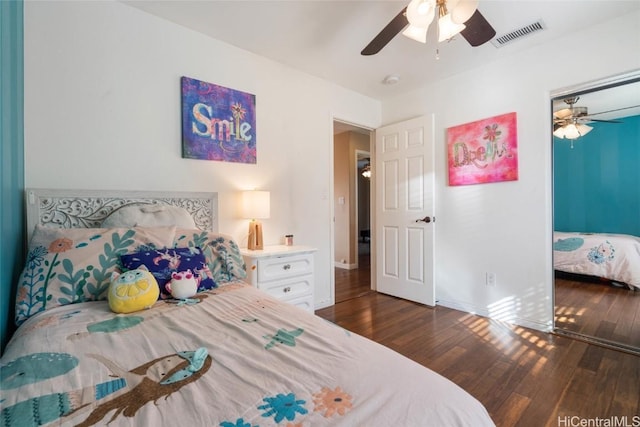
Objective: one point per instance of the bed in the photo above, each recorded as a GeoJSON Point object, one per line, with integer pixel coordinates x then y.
{"type": "Point", "coordinates": [232, 356]}
{"type": "Point", "coordinates": [615, 257]}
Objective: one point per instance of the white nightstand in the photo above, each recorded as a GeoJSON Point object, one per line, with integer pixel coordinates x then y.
{"type": "Point", "coordinates": [285, 272]}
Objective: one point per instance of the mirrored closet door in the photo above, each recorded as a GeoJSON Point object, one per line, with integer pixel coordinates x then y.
{"type": "Point", "coordinates": [596, 212]}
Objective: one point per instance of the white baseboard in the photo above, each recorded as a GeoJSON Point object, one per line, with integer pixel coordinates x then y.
{"type": "Point", "coordinates": [481, 311]}
{"type": "Point", "coordinates": [345, 266]}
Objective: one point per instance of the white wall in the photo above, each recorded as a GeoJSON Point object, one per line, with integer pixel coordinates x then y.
{"type": "Point", "coordinates": [506, 227]}
{"type": "Point", "coordinates": [102, 111]}
{"type": "Point", "coordinates": [341, 211]}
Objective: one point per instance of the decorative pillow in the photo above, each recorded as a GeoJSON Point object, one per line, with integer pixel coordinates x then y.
{"type": "Point", "coordinates": [222, 253]}
{"type": "Point", "coordinates": [71, 265]}
{"type": "Point", "coordinates": [149, 215]}
{"type": "Point", "coordinates": [162, 262]}
{"type": "Point", "coordinates": [132, 291]}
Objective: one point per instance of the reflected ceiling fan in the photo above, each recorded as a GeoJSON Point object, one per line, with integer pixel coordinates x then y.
{"type": "Point", "coordinates": [570, 123]}
{"type": "Point", "coordinates": [453, 17]}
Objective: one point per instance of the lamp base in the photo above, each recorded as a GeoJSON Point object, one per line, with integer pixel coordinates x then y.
{"type": "Point", "coordinates": [255, 241]}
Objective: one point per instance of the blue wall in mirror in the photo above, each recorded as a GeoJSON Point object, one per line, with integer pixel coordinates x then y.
{"type": "Point", "coordinates": [597, 182]}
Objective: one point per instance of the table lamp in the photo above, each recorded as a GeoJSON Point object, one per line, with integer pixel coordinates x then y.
{"type": "Point", "coordinates": [255, 205]}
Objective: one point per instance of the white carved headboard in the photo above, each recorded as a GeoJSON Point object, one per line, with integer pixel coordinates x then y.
{"type": "Point", "coordinates": [88, 208]}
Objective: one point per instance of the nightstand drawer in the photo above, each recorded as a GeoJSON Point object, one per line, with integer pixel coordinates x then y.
{"type": "Point", "coordinates": [289, 288]}
{"type": "Point", "coordinates": [305, 302]}
{"type": "Point", "coordinates": [277, 268]}
{"type": "Point", "coordinates": [284, 272]}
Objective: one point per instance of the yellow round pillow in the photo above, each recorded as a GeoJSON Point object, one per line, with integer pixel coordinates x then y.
{"type": "Point", "coordinates": [132, 291]}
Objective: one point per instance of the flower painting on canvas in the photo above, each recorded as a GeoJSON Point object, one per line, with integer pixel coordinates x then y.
{"type": "Point", "coordinates": [483, 151]}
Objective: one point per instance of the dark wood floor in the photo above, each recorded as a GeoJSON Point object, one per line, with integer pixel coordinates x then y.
{"type": "Point", "coordinates": [596, 308]}
{"type": "Point", "coordinates": [356, 282]}
{"type": "Point", "coordinates": [523, 377]}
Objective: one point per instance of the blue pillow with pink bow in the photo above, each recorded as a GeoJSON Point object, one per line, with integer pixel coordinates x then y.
{"type": "Point", "coordinates": [163, 262]}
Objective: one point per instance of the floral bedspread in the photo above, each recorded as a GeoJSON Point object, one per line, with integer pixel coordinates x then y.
{"type": "Point", "coordinates": [611, 256]}
{"type": "Point", "coordinates": [232, 357]}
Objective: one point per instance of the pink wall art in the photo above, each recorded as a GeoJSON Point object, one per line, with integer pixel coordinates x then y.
{"type": "Point", "coordinates": [218, 123]}
{"type": "Point", "coordinates": [483, 151]}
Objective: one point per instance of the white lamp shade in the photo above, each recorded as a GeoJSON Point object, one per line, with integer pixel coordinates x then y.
{"type": "Point", "coordinates": [416, 33]}
{"type": "Point", "coordinates": [571, 131]}
{"type": "Point", "coordinates": [559, 133]}
{"type": "Point", "coordinates": [420, 13]}
{"type": "Point", "coordinates": [575, 131]}
{"type": "Point", "coordinates": [463, 10]}
{"type": "Point", "coordinates": [256, 204]}
{"type": "Point", "coordinates": [447, 28]}
{"type": "Point", "coordinates": [583, 129]}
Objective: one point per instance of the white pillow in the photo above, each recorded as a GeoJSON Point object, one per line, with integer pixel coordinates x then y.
{"type": "Point", "coordinates": [148, 215]}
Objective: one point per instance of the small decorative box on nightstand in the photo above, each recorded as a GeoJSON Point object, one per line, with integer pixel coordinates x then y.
{"type": "Point", "coordinates": [285, 272]}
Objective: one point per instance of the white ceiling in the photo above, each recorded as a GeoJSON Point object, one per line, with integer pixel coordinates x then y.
{"type": "Point", "coordinates": [324, 38]}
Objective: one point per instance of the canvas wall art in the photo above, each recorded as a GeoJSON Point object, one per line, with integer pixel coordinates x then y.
{"type": "Point", "coordinates": [483, 151]}
{"type": "Point", "coordinates": [218, 123]}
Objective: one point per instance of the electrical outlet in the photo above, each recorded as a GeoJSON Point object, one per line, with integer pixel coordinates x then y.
{"type": "Point", "coordinates": [490, 279]}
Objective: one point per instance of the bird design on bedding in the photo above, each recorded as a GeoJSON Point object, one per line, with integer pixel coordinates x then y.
{"type": "Point", "coordinates": [611, 256]}
{"type": "Point", "coordinates": [603, 252]}
{"type": "Point", "coordinates": [148, 379]}
{"type": "Point", "coordinates": [239, 358]}
{"type": "Point", "coordinates": [125, 394]}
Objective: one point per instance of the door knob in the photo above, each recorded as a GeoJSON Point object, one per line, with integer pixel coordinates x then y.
{"type": "Point", "coordinates": [426, 219]}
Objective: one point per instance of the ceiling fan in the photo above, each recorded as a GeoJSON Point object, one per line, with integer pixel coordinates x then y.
{"type": "Point", "coordinates": [571, 122]}
{"type": "Point", "coordinates": [454, 17]}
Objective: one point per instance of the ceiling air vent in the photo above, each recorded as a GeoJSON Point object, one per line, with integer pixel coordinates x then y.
{"type": "Point", "coordinates": [514, 35]}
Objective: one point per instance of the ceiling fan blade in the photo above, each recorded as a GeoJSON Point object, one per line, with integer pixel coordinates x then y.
{"type": "Point", "coordinates": [615, 110]}
{"type": "Point", "coordinates": [563, 114]}
{"type": "Point", "coordinates": [478, 30]}
{"type": "Point", "coordinates": [387, 34]}
{"type": "Point", "coordinates": [589, 119]}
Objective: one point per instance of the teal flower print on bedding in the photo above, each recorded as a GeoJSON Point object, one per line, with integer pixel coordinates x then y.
{"type": "Point", "coordinates": [67, 266]}
{"type": "Point", "coordinates": [239, 423]}
{"type": "Point", "coordinates": [221, 251]}
{"type": "Point", "coordinates": [283, 406]}
{"type": "Point", "coordinates": [602, 253]}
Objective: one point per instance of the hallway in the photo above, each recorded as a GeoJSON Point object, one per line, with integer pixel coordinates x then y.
{"type": "Point", "coordinates": [357, 282]}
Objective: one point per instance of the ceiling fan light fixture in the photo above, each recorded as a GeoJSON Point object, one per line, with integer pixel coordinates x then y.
{"type": "Point", "coordinates": [559, 133]}
{"type": "Point", "coordinates": [583, 129]}
{"type": "Point", "coordinates": [366, 171]}
{"type": "Point", "coordinates": [462, 10]}
{"type": "Point", "coordinates": [447, 28]}
{"type": "Point", "coordinates": [572, 131]}
{"type": "Point", "coordinates": [426, 7]}
{"type": "Point", "coordinates": [416, 33]}
{"type": "Point", "coordinates": [420, 13]}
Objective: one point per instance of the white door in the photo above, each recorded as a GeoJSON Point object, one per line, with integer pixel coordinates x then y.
{"type": "Point", "coordinates": [404, 163]}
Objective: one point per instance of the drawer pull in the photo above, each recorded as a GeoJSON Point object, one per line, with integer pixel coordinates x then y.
{"type": "Point", "coordinates": [286, 266]}
{"type": "Point", "coordinates": [287, 289]}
